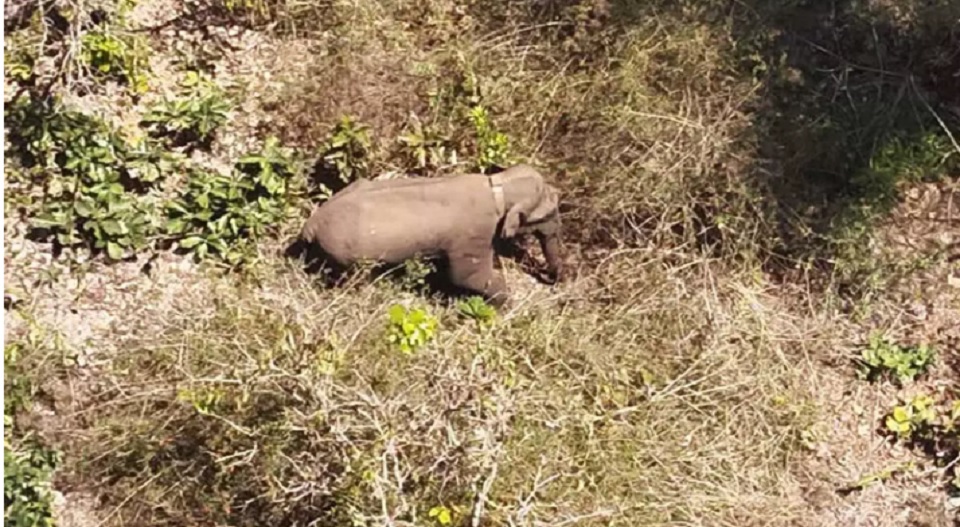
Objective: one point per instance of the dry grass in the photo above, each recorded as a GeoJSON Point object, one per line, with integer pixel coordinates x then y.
{"type": "Point", "coordinates": [671, 405]}
{"type": "Point", "coordinates": [720, 192]}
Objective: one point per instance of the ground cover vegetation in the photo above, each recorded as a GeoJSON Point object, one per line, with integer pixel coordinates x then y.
{"type": "Point", "coordinates": [758, 201]}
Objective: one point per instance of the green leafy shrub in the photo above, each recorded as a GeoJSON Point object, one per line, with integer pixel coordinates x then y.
{"type": "Point", "coordinates": [427, 147]}
{"type": "Point", "coordinates": [204, 399]}
{"type": "Point", "coordinates": [476, 307]}
{"type": "Point", "coordinates": [932, 426]}
{"type": "Point", "coordinates": [17, 388]}
{"type": "Point", "coordinates": [411, 329]}
{"type": "Point", "coordinates": [441, 515]}
{"type": "Point", "coordinates": [344, 157]}
{"type": "Point", "coordinates": [917, 418]}
{"type": "Point", "coordinates": [94, 182]}
{"type": "Point", "coordinates": [416, 271]}
{"type": "Point", "coordinates": [27, 494]}
{"type": "Point", "coordinates": [120, 58]}
{"type": "Point", "coordinates": [199, 109]}
{"type": "Point", "coordinates": [897, 161]}
{"type": "Point", "coordinates": [873, 191]}
{"type": "Point", "coordinates": [251, 13]}
{"type": "Point", "coordinates": [17, 65]}
{"type": "Point", "coordinates": [883, 357]}
{"type": "Point", "coordinates": [223, 215]}
{"type": "Point", "coordinates": [493, 146]}
{"type": "Point", "coordinates": [28, 464]}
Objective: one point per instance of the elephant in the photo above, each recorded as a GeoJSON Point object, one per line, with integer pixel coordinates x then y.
{"type": "Point", "coordinates": [458, 218]}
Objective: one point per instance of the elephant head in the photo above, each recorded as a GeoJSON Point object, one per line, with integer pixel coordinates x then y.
{"type": "Point", "coordinates": [531, 206]}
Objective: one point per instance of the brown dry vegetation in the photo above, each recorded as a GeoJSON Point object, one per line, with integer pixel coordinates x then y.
{"type": "Point", "coordinates": [750, 190]}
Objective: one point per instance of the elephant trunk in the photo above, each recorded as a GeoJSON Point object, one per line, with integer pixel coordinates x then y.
{"type": "Point", "coordinates": [550, 245]}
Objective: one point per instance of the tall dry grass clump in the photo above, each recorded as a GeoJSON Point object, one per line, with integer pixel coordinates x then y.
{"type": "Point", "coordinates": [290, 406]}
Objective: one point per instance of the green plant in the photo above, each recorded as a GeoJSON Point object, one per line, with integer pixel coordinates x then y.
{"type": "Point", "coordinates": [476, 307]}
{"type": "Point", "coordinates": [493, 146]}
{"type": "Point", "coordinates": [256, 6]}
{"type": "Point", "coordinates": [883, 357]}
{"type": "Point", "coordinates": [897, 161]}
{"type": "Point", "coordinates": [426, 146]}
{"type": "Point", "coordinates": [868, 480]}
{"type": "Point", "coordinates": [345, 155]}
{"type": "Point", "coordinates": [17, 65]}
{"type": "Point", "coordinates": [28, 464]}
{"type": "Point", "coordinates": [223, 214]}
{"type": "Point", "coordinates": [95, 184]}
{"type": "Point", "coordinates": [251, 13]}
{"type": "Point", "coordinates": [913, 419]}
{"type": "Point", "coordinates": [441, 515]}
{"type": "Point", "coordinates": [932, 426]}
{"type": "Point", "coordinates": [204, 400]}
{"type": "Point", "coordinates": [415, 272]}
{"type": "Point", "coordinates": [110, 56]}
{"type": "Point", "coordinates": [17, 388]}
{"type": "Point", "coordinates": [27, 495]}
{"type": "Point", "coordinates": [871, 193]}
{"type": "Point", "coordinates": [199, 109]}
{"type": "Point", "coordinates": [410, 329]}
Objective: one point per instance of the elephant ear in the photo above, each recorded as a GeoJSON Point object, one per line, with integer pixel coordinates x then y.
{"type": "Point", "coordinates": [546, 207]}
{"type": "Point", "coordinates": [520, 214]}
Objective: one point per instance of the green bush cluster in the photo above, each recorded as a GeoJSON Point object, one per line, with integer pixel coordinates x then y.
{"type": "Point", "coordinates": [344, 157]}
{"type": "Point", "coordinates": [222, 214]}
{"type": "Point", "coordinates": [95, 183]}
{"type": "Point", "coordinates": [899, 161]}
{"type": "Point", "coordinates": [28, 464]}
{"type": "Point", "coordinates": [101, 191]}
{"type": "Point", "coordinates": [493, 146]}
{"type": "Point", "coordinates": [427, 147]}
{"type": "Point", "coordinates": [115, 57]}
{"type": "Point", "coordinates": [932, 426]}
{"type": "Point", "coordinates": [886, 358]}
{"type": "Point", "coordinates": [411, 329]}
{"type": "Point", "coordinates": [27, 494]}
{"type": "Point", "coordinates": [199, 109]}
{"type": "Point", "coordinates": [82, 184]}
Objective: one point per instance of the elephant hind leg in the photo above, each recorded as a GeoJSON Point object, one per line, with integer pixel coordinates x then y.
{"type": "Point", "coordinates": [476, 273]}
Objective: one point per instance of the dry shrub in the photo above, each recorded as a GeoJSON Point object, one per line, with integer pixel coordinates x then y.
{"type": "Point", "coordinates": [647, 125]}
{"type": "Point", "coordinates": [286, 405]}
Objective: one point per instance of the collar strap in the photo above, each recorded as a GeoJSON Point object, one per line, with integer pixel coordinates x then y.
{"type": "Point", "coordinates": [496, 185]}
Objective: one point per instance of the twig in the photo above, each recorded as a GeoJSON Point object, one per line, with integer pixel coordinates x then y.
{"type": "Point", "coordinates": [130, 497]}
{"type": "Point", "coordinates": [482, 495]}
{"type": "Point", "coordinates": [936, 116]}
{"type": "Point", "coordinates": [576, 519]}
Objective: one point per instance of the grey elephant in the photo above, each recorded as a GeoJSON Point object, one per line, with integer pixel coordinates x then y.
{"type": "Point", "coordinates": [458, 218]}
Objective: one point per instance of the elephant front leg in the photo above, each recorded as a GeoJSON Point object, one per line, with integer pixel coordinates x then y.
{"type": "Point", "coordinates": [476, 273]}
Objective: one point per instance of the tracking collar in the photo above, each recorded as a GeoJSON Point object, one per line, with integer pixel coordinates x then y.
{"type": "Point", "coordinates": [496, 185]}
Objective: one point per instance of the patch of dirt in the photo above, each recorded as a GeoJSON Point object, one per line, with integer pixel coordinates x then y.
{"type": "Point", "coordinates": [924, 306]}
{"type": "Point", "coordinates": [925, 229]}
{"type": "Point", "coordinates": [75, 510]}
{"type": "Point", "coordinates": [314, 89]}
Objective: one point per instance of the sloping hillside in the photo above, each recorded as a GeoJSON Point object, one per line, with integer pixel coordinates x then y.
{"type": "Point", "coordinates": [761, 213]}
